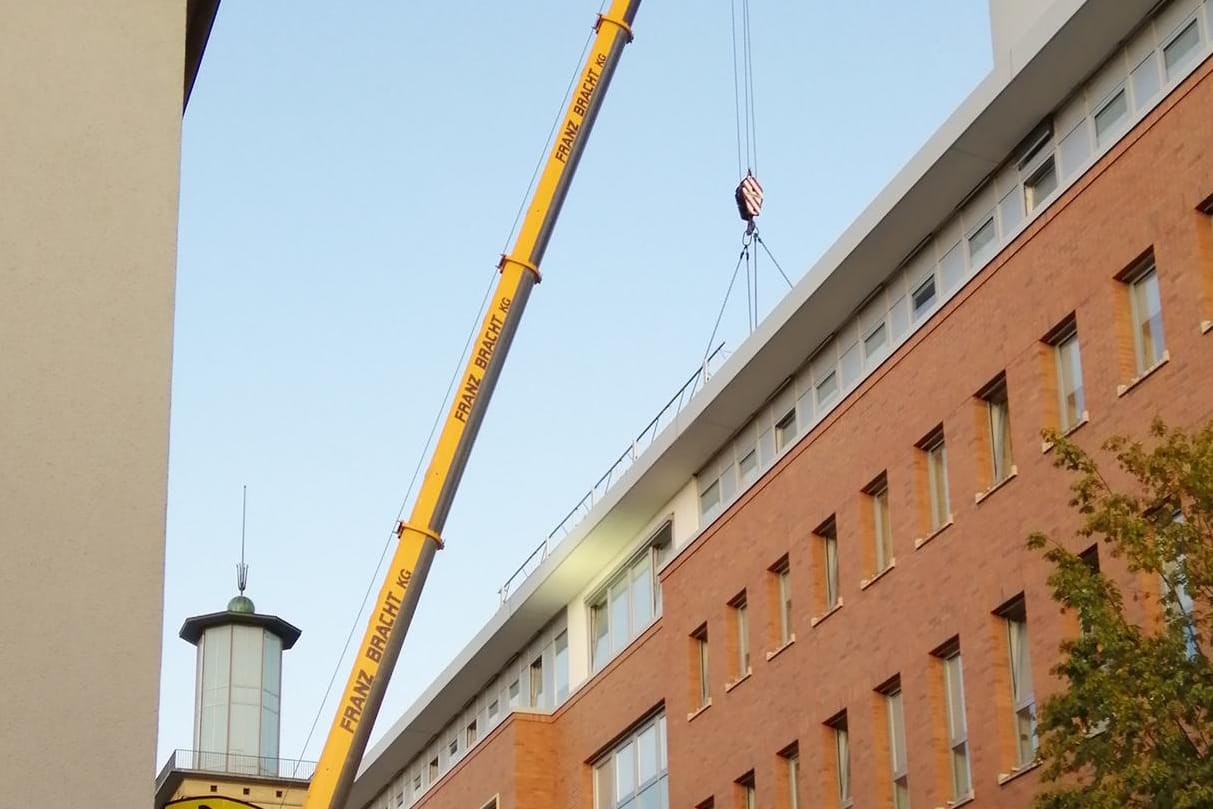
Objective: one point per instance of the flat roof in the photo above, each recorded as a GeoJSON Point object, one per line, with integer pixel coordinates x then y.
{"type": "Point", "coordinates": [1028, 81]}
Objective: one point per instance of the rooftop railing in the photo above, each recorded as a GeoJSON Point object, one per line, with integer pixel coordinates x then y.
{"type": "Point", "coordinates": [614, 474]}
{"type": "Point", "coordinates": [238, 764]}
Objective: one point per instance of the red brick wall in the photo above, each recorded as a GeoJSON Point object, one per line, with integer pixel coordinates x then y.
{"type": "Point", "coordinates": [1141, 195]}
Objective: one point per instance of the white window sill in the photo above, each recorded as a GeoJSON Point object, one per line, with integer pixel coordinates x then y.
{"type": "Point", "coordinates": [1121, 390]}
{"type": "Point", "coordinates": [958, 802]}
{"type": "Point", "coordinates": [918, 543]}
{"type": "Point", "coordinates": [774, 653]}
{"type": "Point", "coordinates": [826, 614]}
{"type": "Point", "coordinates": [699, 710]}
{"type": "Point", "coordinates": [1206, 326]}
{"type": "Point", "coordinates": [866, 583]}
{"type": "Point", "coordinates": [1007, 777]}
{"type": "Point", "coordinates": [977, 498]}
{"type": "Point", "coordinates": [730, 686]}
{"type": "Point", "coordinates": [1047, 446]}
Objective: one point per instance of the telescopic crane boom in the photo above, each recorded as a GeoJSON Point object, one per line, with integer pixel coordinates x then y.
{"type": "Point", "coordinates": [421, 535]}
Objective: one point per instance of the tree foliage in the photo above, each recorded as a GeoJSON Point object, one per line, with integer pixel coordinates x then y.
{"type": "Point", "coordinates": [1133, 723]}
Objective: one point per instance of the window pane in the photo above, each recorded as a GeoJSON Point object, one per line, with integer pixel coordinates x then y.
{"type": "Point", "coordinates": [831, 571]}
{"type": "Point", "coordinates": [1042, 183]}
{"type": "Point", "coordinates": [709, 499]}
{"type": "Point", "coordinates": [952, 266]}
{"type": "Point", "coordinates": [981, 243]}
{"type": "Point", "coordinates": [562, 666]}
{"type": "Point", "coordinates": [874, 344]}
{"type": "Point", "coordinates": [620, 631]}
{"type": "Point", "coordinates": [897, 733]}
{"type": "Point", "coordinates": [748, 466]}
{"type": "Point", "coordinates": [961, 785]}
{"type": "Point", "coordinates": [646, 750]}
{"type": "Point", "coordinates": [842, 761]}
{"type": "Point", "coordinates": [604, 784]}
{"type": "Point", "coordinates": [642, 593]}
{"type": "Point", "coordinates": [599, 628]}
{"type": "Point", "coordinates": [924, 297]}
{"type": "Point", "coordinates": [1181, 50]}
{"type": "Point", "coordinates": [850, 365]}
{"type": "Point", "coordinates": [785, 607]}
{"type": "Point", "coordinates": [1069, 381]}
{"type": "Point", "coordinates": [625, 770]}
{"type": "Point", "coordinates": [1074, 150]}
{"type": "Point", "coordinates": [883, 528]}
{"type": "Point", "coordinates": [743, 641]}
{"type": "Point", "coordinates": [826, 388]}
{"type": "Point", "coordinates": [785, 431]}
{"type": "Point", "coordinates": [1146, 81]}
{"type": "Point", "coordinates": [1147, 314]}
{"type": "Point", "coordinates": [1109, 119]}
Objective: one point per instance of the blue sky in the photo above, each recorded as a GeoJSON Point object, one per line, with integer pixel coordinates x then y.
{"type": "Point", "coordinates": [350, 173]}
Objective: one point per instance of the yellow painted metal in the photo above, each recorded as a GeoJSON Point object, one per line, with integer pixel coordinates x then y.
{"type": "Point", "coordinates": [420, 528]}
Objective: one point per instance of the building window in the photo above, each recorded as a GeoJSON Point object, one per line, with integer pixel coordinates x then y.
{"type": "Point", "coordinates": [785, 431]}
{"type": "Point", "coordinates": [998, 425]}
{"type": "Point", "coordinates": [935, 458]}
{"type": "Point", "coordinates": [1145, 308]}
{"type": "Point", "coordinates": [452, 749]}
{"type": "Point", "coordinates": [877, 493]}
{"type": "Point", "coordinates": [958, 731]}
{"type": "Point", "coordinates": [782, 573]}
{"type": "Point", "coordinates": [629, 603]}
{"type": "Point", "coordinates": [634, 774]}
{"type": "Point", "coordinates": [1023, 700]}
{"type": "Point", "coordinates": [515, 695]}
{"type": "Point", "coordinates": [748, 467]}
{"type": "Point", "coordinates": [470, 735]}
{"type": "Point", "coordinates": [923, 296]}
{"type": "Point", "coordinates": [709, 500]}
{"type": "Point", "coordinates": [874, 343]}
{"type": "Point", "coordinates": [827, 536]}
{"type": "Point", "coordinates": [791, 763]}
{"type": "Point", "coordinates": [842, 758]}
{"type": "Point", "coordinates": [417, 784]}
{"type": "Point", "coordinates": [562, 666]}
{"type": "Point", "coordinates": [747, 796]}
{"type": "Point", "coordinates": [1109, 117]}
{"type": "Point", "coordinates": [699, 644]}
{"type": "Point", "coordinates": [897, 745]}
{"type": "Point", "coordinates": [494, 709]}
{"type": "Point", "coordinates": [741, 626]}
{"type": "Point", "coordinates": [1071, 400]}
{"type": "Point", "coordinates": [982, 241]}
{"type": "Point", "coordinates": [434, 769]}
{"type": "Point", "coordinates": [1040, 184]}
{"type": "Point", "coordinates": [1181, 607]}
{"type": "Point", "coordinates": [826, 388]}
{"type": "Point", "coordinates": [536, 683]}
{"type": "Point", "coordinates": [1181, 49]}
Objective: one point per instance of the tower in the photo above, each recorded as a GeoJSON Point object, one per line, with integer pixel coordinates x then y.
{"type": "Point", "coordinates": [238, 687]}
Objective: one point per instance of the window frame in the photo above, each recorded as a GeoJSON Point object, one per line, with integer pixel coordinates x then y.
{"type": "Point", "coordinates": [996, 399]}
{"type": "Point", "coordinates": [841, 738]}
{"type": "Point", "coordinates": [934, 448]}
{"type": "Point", "coordinates": [598, 606]}
{"type": "Point", "coordinates": [1060, 341]}
{"type": "Point", "coordinates": [703, 665]}
{"type": "Point", "coordinates": [1014, 618]}
{"type": "Point", "coordinates": [741, 626]}
{"type": "Point", "coordinates": [606, 765]}
{"type": "Point", "coordinates": [899, 760]}
{"type": "Point", "coordinates": [957, 722]}
{"type": "Point", "coordinates": [1138, 282]}
{"type": "Point", "coordinates": [877, 493]}
{"type": "Point", "coordinates": [827, 534]}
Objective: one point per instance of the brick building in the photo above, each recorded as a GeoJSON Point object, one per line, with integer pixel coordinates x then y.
{"type": "Point", "coordinates": [812, 587]}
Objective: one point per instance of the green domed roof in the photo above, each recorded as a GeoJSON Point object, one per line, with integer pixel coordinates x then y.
{"type": "Point", "coordinates": [241, 603]}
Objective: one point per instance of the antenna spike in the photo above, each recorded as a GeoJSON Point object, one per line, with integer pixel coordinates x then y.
{"type": "Point", "coordinates": [242, 568]}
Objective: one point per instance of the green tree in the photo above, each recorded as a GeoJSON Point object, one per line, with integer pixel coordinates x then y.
{"type": "Point", "coordinates": [1133, 723]}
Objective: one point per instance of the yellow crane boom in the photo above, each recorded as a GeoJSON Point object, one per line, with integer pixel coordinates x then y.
{"type": "Point", "coordinates": [421, 535]}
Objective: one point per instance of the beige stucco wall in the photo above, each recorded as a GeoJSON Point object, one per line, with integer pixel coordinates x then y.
{"type": "Point", "coordinates": [90, 123]}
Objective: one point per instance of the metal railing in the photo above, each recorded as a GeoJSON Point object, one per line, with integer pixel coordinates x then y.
{"type": "Point", "coordinates": [241, 764]}
{"type": "Point", "coordinates": [642, 442]}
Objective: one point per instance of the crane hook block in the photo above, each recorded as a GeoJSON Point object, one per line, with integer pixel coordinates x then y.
{"type": "Point", "coordinates": [749, 197]}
